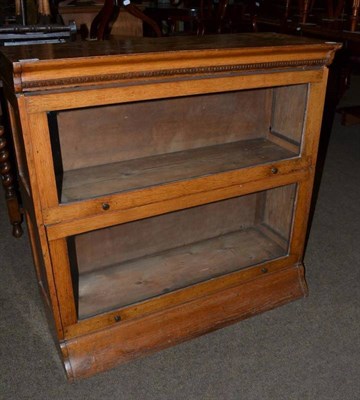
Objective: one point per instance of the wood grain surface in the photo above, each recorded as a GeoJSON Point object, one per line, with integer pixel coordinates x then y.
{"type": "Point", "coordinates": [181, 194]}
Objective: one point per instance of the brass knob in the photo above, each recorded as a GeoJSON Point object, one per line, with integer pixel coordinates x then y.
{"type": "Point", "coordinates": [274, 170]}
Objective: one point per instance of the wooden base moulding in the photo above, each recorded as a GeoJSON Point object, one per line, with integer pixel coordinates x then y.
{"type": "Point", "coordinates": [98, 351]}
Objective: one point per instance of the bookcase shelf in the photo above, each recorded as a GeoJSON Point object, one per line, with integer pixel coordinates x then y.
{"type": "Point", "coordinates": [157, 274]}
{"type": "Point", "coordinates": [156, 170]}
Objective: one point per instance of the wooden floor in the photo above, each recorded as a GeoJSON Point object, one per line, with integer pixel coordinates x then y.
{"type": "Point", "coordinates": [149, 276]}
{"type": "Point", "coordinates": [156, 170]}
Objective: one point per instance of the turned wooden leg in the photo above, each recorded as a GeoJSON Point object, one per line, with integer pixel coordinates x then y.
{"type": "Point", "coordinates": [354, 15]}
{"type": "Point", "coordinates": [304, 10]}
{"type": "Point", "coordinates": [8, 182]}
{"type": "Point", "coordinates": [287, 11]}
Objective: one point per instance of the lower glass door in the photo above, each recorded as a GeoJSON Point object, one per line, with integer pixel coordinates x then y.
{"type": "Point", "coordinates": [135, 261]}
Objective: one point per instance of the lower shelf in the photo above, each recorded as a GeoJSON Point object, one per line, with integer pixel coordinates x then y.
{"type": "Point", "coordinates": [103, 349]}
{"type": "Point", "coordinates": [136, 280]}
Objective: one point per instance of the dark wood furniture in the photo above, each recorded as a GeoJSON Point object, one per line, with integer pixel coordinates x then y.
{"type": "Point", "coordinates": [16, 32]}
{"type": "Point", "coordinates": [327, 20]}
{"type": "Point", "coordinates": [81, 14]}
{"type": "Point", "coordinates": [102, 24]}
{"type": "Point", "coordinates": [166, 183]}
{"type": "Point", "coordinates": [175, 20]}
{"type": "Point", "coordinates": [8, 172]}
{"type": "Point", "coordinates": [189, 17]}
{"type": "Point", "coordinates": [335, 11]}
{"type": "Point", "coordinates": [335, 15]}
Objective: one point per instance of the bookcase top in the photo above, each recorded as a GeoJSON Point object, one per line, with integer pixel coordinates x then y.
{"type": "Point", "coordinates": [57, 66]}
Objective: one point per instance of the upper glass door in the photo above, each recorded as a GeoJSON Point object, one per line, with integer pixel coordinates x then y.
{"type": "Point", "coordinates": [112, 149]}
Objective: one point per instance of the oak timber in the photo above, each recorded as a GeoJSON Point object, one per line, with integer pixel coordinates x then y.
{"type": "Point", "coordinates": [168, 183]}
{"type": "Point", "coordinates": [170, 167]}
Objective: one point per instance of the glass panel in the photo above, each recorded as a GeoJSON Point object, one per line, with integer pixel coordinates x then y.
{"type": "Point", "coordinates": [111, 149]}
{"type": "Point", "coordinates": [289, 106]}
{"type": "Point", "coordinates": [131, 262]}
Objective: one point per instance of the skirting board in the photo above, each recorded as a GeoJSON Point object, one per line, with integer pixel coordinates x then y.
{"type": "Point", "coordinates": [101, 350]}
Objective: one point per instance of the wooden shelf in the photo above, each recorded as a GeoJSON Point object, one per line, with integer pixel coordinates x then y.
{"type": "Point", "coordinates": [123, 176]}
{"type": "Point", "coordinates": [136, 280]}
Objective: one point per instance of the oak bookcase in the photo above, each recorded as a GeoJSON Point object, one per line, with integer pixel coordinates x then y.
{"type": "Point", "coordinates": [166, 183]}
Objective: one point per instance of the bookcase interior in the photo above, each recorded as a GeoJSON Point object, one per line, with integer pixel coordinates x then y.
{"type": "Point", "coordinates": [135, 145]}
{"type": "Point", "coordinates": [135, 261]}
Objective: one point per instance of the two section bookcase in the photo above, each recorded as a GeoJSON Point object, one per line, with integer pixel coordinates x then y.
{"type": "Point", "coordinates": [166, 183]}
